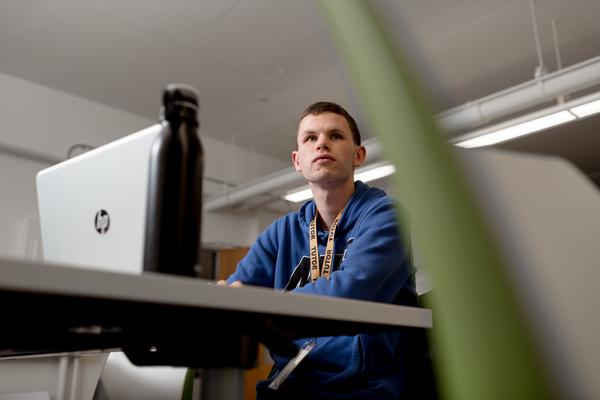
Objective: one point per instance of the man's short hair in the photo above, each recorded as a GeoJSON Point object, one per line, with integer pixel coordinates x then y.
{"type": "Point", "coordinates": [321, 107]}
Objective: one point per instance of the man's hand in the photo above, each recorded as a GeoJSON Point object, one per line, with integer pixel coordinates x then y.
{"type": "Point", "coordinates": [234, 284]}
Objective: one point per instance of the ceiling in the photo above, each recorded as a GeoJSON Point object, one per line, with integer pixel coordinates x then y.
{"type": "Point", "coordinates": [258, 63]}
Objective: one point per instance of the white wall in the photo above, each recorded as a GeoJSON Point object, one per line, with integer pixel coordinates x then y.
{"type": "Point", "coordinates": [43, 120]}
{"type": "Point", "coordinates": [18, 206]}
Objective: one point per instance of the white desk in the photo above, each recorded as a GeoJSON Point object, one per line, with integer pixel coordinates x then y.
{"type": "Point", "coordinates": [160, 319]}
{"type": "Point", "coordinates": [97, 308]}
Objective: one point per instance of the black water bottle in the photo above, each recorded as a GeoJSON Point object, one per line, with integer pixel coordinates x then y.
{"type": "Point", "coordinates": [173, 218]}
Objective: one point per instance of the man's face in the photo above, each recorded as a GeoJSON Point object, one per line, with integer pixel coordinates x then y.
{"type": "Point", "coordinates": [326, 151]}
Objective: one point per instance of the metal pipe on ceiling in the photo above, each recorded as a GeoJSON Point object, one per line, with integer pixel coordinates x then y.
{"type": "Point", "coordinates": [567, 80]}
{"type": "Point", "coordinates": [28, 154]}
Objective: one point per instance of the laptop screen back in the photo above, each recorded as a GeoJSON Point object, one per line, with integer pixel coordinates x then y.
{"type": "Point", "coordinates": [93, 207]}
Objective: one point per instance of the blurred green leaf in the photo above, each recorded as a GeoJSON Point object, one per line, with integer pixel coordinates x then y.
{"type": "Point", "coordinates": [485, 349]}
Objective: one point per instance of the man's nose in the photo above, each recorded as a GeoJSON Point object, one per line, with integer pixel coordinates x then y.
{"type": "Point", "coordinates": [322, 142]}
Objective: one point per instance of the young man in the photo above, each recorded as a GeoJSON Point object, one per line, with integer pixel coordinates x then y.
{"type": "Point", "coordinates": [344, 243]}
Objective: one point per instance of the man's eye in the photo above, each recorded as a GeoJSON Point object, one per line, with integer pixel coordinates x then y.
{"type": "Point", "coordinates": [336, 135]}
{"type": "Point", "coordinates": [311, 138]}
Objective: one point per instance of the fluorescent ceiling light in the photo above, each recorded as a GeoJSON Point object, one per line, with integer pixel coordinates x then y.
{"type": "Point", "coordinates": [562, 113]}
{"type": "Point", "coordinates": [366, 174]}
{"type": "Point", "coordinates": [372, 174]}
{"type": "Point", "coordinates": [586, 110]}
{"type": "Point", "coordinates": [521, 129]}
{"type": "Point", "coordinates": [296, 196]}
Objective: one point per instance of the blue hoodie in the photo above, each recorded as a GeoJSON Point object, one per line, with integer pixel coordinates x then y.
{"type": "Point", "coordinates": [372, 263]}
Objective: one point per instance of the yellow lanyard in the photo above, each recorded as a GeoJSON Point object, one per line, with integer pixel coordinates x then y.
{"type": "Point", "coordinates": [315, 270]}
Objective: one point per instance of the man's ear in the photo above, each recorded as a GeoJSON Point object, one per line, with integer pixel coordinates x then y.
{"type": "Point", "coordinates": [296, 161]}
{"type": "Point", "coordinates": [360, 156]}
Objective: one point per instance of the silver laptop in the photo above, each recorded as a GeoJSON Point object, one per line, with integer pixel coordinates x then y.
{"type": "Point", "coordinates": [93, 207]}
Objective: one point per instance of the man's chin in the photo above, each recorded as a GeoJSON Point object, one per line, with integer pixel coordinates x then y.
{"type": "Point", "coordinates": [327, 180]}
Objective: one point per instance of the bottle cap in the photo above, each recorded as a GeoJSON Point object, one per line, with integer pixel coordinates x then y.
{"type": "Point", "coordinates": [180, 101]}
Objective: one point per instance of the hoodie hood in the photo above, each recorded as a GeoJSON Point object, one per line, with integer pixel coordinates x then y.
{"type": "Point", "coordinates": [362, 193]}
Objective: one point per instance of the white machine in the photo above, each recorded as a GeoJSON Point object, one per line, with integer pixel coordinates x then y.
{"type": "Point", "coordinates": [134, 204]}
{"type": "Point", "coordinates": [93, 207]}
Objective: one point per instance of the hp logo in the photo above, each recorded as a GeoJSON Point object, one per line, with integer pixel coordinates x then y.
{"type": "Point", "coordinates": [102, 222]}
